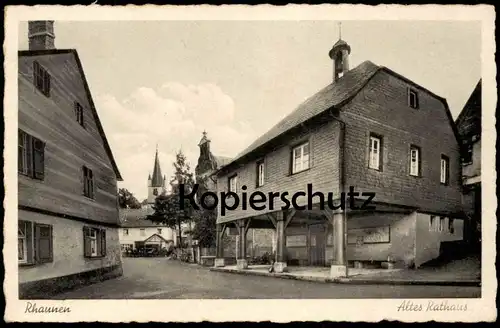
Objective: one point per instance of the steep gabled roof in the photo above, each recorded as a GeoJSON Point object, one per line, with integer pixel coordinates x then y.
{"type": "Point", "coordinates": [154, 235]}
{"type": "Point", "coordinates": [469, 119]}
{"type": "Point", "coordinates": [222, 161]}
{"type": "Point", "coordinates": [135, 218]}
{"type": "Point", "coordinates": [50, 52]}
{"type": "Point", "coordinates": [157, 179]}
{"type": "Point", "coordinates": [335, 94]}
{"type": "Point", "coordinates": [443, 100]}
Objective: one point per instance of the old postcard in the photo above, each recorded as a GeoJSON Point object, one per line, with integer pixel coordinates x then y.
{"type": "Point", "coordinates": [250, 163]}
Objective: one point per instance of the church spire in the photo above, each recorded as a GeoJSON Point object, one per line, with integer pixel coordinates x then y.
{"type": "Point", "coordinates": [157, 179]}
{"type": "Point", "coordinates": [204, 139]}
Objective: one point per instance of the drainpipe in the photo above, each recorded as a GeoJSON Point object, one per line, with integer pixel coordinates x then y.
{"type": "Point", "coordinates": [342, 181]}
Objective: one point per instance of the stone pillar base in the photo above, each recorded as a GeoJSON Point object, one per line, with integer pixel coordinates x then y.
{"type": "Point", "coordinates": [280, 267]}
{"type": "Point", "coordinates": [241, 264]}
{"type": "Point", "coordinates": [388, 265]}
{"type": "Point", "coordinates": [219, 262]}
{"type": "Point", "coordinates": [338, 271]}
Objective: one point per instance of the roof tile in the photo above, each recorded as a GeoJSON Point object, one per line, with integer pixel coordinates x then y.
{"type": "Point", "coordinates": [332, 95]}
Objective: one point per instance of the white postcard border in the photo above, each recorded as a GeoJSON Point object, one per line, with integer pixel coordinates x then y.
{"type": "Point", "coordinates": [482, 309]}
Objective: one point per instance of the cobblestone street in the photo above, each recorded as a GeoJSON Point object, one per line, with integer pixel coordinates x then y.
{"type": "Point", "coordinates": [159, 278]}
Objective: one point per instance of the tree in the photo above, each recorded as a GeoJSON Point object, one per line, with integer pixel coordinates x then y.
{"type": "Point", "coordinates": [167, 208]}
{"type": "Point", "coordinates": [127, 200]}
{"type": "Point", "coordinates": [205, 228]}
{"type": "Point", "coordinates": [205, 220]}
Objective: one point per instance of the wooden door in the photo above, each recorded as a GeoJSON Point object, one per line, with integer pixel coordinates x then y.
{"type": "Point", "coordinates": [317, 244]}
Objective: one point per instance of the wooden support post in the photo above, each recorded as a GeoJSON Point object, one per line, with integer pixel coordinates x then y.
{"type": "Point", "coordinates": [219, 245]}
{"type": "Point", "coordinates": [289, 216]}
{"type": "Point", "coordinates": [247, 225]}
{"type": "Point", "coordinates": [272, 218]}
{"type": "Point", "coordinates": [339, 263]}
{"type": "Point", "coordinates": [241, 262]}
{"type": "Point", "coordinates": [280, 264]}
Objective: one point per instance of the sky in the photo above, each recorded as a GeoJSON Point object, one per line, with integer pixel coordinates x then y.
{"type": "Point", "coordinates": [165, 82]}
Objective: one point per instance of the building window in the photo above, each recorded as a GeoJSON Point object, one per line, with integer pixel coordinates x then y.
{"type": "Point", "coordinates": [79, 113]}
{"type": "Point", "coordinates": [38, 159]}
{"type": "Point", "coordinates": [41, 79]}
{"type": "Point", "coordinates": [233, 183]}
{"type": "Point", "coordinates": [22, 241]}
{"type": "Point", "coordinates": [451, 225]}
{"type": "Point", "coordinates": [260, 173]}
{"type": "Point", "coordinates": [445, 170]}
{"type": "Point", "coordinates": [31, 156]}
{"type": "Point", "coordinates": [125, 232]}
{"type": "Point", "coordinates": [88, 182]}
{"type": "Point", "coordinates": [43, 243]}
{"type": "Point", "coordinates": [375, 152]}
{"type": "Point", "coordinates": [158, 231]}
{"type": "Point", "coordinates": [414, 161]}
{"type": "Point", "coordinates": [22, 152]}
{"type": "Point", "coordinates": [412, 98]}
{"type": "Point", "coordinates": [467, 148]}
{"type": "Point", "coordinates": [94, 242]}
{"type": "Point", "coordinates": [441, 223]}
{"type": "Point", "coordinates": [155, 191]}
{"type": "Point", "coordinates": [143, 232]}
{"type": "Point", "coordinates": [431, 223]}
{"type": "Point", "coordinates": [34, 243]}
{"type": "Point", "coordinates": [126, 247]}
{"type": "Point", "coordinates": [300, 155]}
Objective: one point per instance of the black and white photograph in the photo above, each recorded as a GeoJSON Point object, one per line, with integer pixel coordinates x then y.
{"type": "Point", "coordinates": [260, 155]}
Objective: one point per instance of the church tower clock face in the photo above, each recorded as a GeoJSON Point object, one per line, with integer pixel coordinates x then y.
{"type": "Point", "coordinates": [155, 192]}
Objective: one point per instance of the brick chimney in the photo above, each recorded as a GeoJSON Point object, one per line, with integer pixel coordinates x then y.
{"type": "Point", "coordinates": [41, 35]}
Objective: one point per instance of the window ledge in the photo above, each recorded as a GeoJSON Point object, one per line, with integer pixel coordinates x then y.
{"type": "Point", "coordinates": [94, 257]}
{"type": "Point", "coordinates": [27, 264]}
{"type": "Point", "coordinates": [27, 176]}
{"type": "Point", "coordinates": [89, 198]}
{"type": "Point", "coordinates": [299, 172]}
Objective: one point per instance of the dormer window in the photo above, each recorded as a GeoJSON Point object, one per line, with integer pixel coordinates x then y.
{"type": "Point", "coordinates": [412, 98]}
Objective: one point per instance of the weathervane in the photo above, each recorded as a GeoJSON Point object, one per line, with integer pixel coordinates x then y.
{"type": "Point", "coordinates": [340, 30]}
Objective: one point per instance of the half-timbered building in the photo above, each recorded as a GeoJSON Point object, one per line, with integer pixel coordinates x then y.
{"type": "Point", "coordinates": [469, 128]}
{"type": "Point", "coordinates": [67, 176]}
{"type": "Point", "coordinates": [372, 129]}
